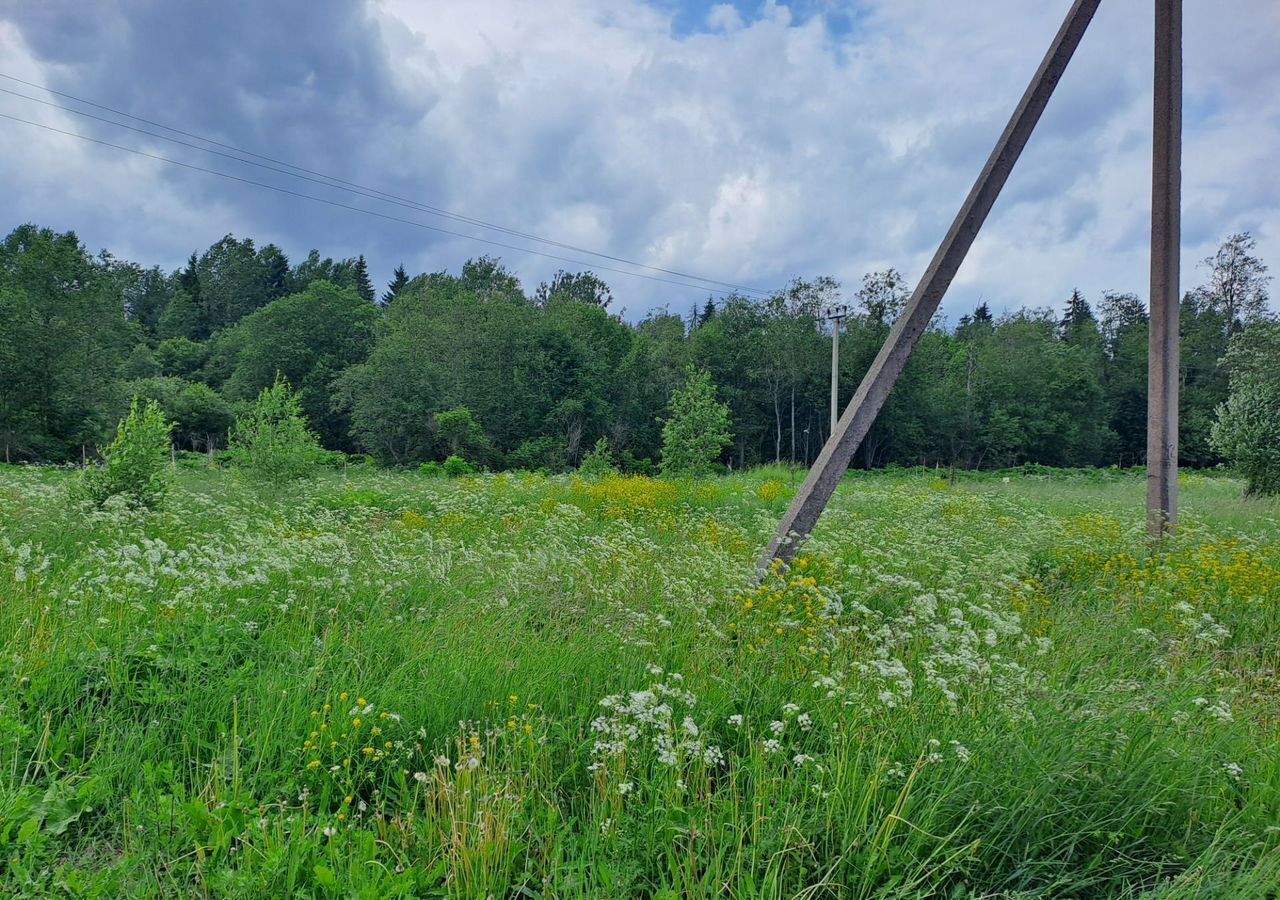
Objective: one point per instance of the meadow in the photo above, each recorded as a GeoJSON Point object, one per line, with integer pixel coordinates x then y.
{"type": "Point", "coordinates": [381, 684]}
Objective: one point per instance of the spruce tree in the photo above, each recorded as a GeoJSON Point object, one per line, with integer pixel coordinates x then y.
{"type": "Point", "coordinates": [395, 285]}
{"type": "Point", "coordinates": [364, 287]}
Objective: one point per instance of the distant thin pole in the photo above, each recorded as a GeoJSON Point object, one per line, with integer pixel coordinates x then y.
{"type": "Point", "coordinates": [1166, 190]}
{"type": "Point", "coordinates": [835, 315]}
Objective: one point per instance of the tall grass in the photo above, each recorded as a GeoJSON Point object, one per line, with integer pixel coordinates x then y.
{"type": "Point", "coordinates": [512, 685]}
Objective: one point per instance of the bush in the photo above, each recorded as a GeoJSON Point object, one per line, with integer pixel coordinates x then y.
{"type": "Point", "coordinates": [272, 440]}
{"type": "Point", "coordinates": [431, 469]}
{"type": "Point", "coordinates": [135, 465]}
{"type": "Point", "coordinates": [635, 465]}
{"type": "Point", "coordinates": [456, 467]}
{"type": "Point", "coordinates": [598, 462]}
{"type": "Point", "coordinates": [545, 453]}
{"type": "Point", "coordinates": [460, 432]}
{"type": "Point", "coordinates": [1247, 431]}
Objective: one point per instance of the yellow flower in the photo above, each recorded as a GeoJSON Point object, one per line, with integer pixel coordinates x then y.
{"type": "Point", "coordinates": [343, 696]}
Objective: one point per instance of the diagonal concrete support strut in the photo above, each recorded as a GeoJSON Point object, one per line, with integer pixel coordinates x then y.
{"type": "Point", "coordinates": [834, 459]}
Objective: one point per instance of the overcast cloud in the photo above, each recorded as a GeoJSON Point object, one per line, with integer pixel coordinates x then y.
{"type": "Point", "coordinates": [745, 142]}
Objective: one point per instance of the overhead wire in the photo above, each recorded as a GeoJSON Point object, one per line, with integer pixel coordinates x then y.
{"type": "Point", "coordinates": [367, 212]}
{"type": "Point", "coordinates": [274, 165]}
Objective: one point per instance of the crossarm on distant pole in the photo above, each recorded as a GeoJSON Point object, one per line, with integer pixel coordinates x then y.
{"type": "Point", "coordinates": [856, 421]}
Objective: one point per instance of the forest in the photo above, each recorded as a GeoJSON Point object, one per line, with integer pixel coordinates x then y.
{"type": "Point", "coordinates": [537, 378]}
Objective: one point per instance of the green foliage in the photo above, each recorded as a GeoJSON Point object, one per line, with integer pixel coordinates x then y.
{"type": "Point", "coordinates": [697, 429]}
{"type": "Point", "coordinates": [63, 337]}
{"type": "Point", "coordinates": [135, 465]}
{"type": "Point", "coordinates": [543, 454]}
{"type": "Point", "coordinates": [459, 431]}
{"type": "Point", "coordinates": [598, 462]}
{"type": "Point", "coordinates": [544, 373]}
{"type": "Point", "coordinates": [1247, 430]}
{"type": "Point", "coordinates": [309, 337]}
{"type": "Point", "coordinates": [457, 467]}
{"type": "Point", "coordinates": [140, 363]}
{"type": "Point", "coordinates": [271, 440]}
{"type": "Point", "coordinates": [180, 357]}
{"type": "Point", "coordinates": [395, 285]}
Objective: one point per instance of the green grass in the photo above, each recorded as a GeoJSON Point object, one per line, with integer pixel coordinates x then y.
{"type": "Point", "coordinates": [985, 687]}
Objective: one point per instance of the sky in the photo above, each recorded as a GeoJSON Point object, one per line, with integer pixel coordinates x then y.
{"type": "Point", "coordinates": [747, 142]}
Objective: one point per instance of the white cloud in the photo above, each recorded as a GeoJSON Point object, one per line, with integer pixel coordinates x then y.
{"type": "Point", "coordinates": [755, 150]}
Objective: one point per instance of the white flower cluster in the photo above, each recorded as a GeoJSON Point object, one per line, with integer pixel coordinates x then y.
{"type": "Point", "coordinates": [656, 719]}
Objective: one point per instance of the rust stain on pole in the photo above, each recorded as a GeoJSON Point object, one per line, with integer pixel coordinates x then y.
{"type": "Point", "coordinates": [1166, 232]}
{"type": "Point", "coordinates": [853, 426]}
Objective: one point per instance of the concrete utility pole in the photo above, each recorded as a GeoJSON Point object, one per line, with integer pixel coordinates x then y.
{"type": "Point", "coordinates": [1166, 234]}
{"type": "Point", "coordinates": [835, 315]}
{"type": "Point", "coordinates": [853, 426]}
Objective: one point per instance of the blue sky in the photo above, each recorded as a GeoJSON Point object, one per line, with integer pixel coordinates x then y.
{"type": "Point", "coordinates": [746, 142]}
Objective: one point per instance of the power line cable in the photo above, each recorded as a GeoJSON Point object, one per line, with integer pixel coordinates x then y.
{"type": "Point", "coordinates": [330, 181]}
{"type": "Point", "coordinates": [367, 212]}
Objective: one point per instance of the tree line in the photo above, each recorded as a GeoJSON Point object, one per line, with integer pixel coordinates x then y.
{"type": "Point", "coordinates": [471, 364]}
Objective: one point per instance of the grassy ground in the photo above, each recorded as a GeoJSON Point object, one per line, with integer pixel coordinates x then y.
{"type": "Point", "coordinates": [519, 686]}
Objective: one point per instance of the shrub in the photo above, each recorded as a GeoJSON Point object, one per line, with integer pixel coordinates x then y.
{"type": "Point", "coordinates": [697, 430]}
{"type": "Point", "coordinates": [1247, 431]}
{"type": "Point", "coordinates": [135, 465]}
{"type": "Point", "coordinates": [456, 467]}
{"type": "Point", "coordinates": [631, 464]}
{"type": "Point", "coordinates": [460, 432]}
{"type": "Point", "coordinates": [432, 469]}
{"type": "Point", "coordinates": [598, 462]}
{"type": "Point", "coordinates": [272, 440]}
{"type": "Point", "coordinates": [542, 453]}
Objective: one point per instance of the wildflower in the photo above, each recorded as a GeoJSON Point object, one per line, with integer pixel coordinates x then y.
{"type": "Point", "coordinates": [735, 720]}
{"type": "Point", "coordinates": [800, 759]}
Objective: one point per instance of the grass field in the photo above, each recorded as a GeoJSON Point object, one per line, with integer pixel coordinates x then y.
{"type": "Point", "coordinates": [392, 685]}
